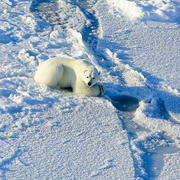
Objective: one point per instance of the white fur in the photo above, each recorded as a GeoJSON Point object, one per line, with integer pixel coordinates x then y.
{"type": "Point", "coordinates": [79, 75]}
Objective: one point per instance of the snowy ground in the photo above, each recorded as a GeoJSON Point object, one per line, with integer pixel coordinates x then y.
{"type": "Point", "coordinates": [132, 132]}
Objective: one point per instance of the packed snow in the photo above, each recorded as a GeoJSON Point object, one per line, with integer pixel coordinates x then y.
{"type": "Point", "coordinates": [132, 132]}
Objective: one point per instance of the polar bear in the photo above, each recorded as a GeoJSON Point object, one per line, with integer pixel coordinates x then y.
{"type": "Point", "coordinates": [80, 75]}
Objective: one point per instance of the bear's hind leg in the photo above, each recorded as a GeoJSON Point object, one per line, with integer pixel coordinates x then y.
{"type": "Point", "coordinates": [49, 73]}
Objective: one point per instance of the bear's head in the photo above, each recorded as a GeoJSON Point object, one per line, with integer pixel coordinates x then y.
{"type": "Point", "coordinates": [90, 76]}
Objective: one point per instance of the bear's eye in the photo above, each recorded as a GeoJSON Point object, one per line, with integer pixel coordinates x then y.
{"type": "Point", "coordinates": [87, 76]}
{"type": "Point", "coordinates": [93, 77]}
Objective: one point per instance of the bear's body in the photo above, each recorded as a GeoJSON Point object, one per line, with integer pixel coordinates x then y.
{"type": "Point", "coordinates": [79, 75]}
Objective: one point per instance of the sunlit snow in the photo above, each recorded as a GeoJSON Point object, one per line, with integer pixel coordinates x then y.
{"type": "Point", "coordinates": [132, 132]}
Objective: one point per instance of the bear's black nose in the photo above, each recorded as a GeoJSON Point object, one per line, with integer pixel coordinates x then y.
{"type": "Point", "coordinates": [89, 83]}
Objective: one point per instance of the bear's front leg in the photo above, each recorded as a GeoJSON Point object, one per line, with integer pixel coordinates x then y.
{"type": "Point", "coordinates": [95, 90]}
{"type": "Point", "coordinates": [101, 89]}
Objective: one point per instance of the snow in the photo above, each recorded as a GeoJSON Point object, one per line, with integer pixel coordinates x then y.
{"type": "Point", "coordinates": [132, 132]}
{"type": "Point", "coordinates": [157, 10]}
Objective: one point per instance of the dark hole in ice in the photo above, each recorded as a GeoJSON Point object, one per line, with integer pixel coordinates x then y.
{"type": "Point", "coordinates": [125, 103]}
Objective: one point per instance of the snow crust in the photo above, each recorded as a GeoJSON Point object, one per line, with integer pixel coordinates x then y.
{"type": "Point", "coordinates": [133, 132]}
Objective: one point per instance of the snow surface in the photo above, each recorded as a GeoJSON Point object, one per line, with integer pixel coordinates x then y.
{"type": "Point", "coordinates": [132, 132]}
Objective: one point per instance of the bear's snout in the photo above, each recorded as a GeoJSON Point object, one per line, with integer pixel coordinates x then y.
{"type": "Point", "coordinates": [89, 83]}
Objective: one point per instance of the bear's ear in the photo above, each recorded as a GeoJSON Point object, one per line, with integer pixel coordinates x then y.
{"type": "Point", "coordinates": [85, 71]}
